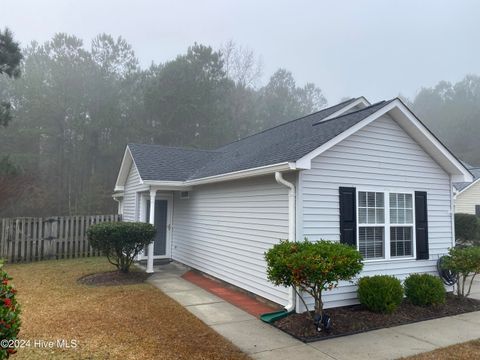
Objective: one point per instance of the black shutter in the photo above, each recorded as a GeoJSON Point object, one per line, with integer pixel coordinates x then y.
{"type": "Point", "coordinates": [421, 224]}
{"type": "Point", "coordinates": [348, 216]}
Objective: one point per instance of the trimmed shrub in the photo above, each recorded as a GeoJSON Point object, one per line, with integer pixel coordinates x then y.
{"type": "Point", "coordinates": [121, 242]}
{"type": "Point", "coordinates": [424, 289]}
{"type": "Point", "coordinates": [9, 314]}
{"type": "Point", "coordinates": [380, 293]}
{"type": "Point", "coordinates": [464, 262]}
{"type": "Point", "coordinates": [312, 267]}
{"type": "Point", "coordinates": [467, 228]}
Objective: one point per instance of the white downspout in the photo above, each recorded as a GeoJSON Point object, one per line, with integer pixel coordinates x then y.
{"type": "Point", "coordinates": [291, 229]}
{"type": "Point", "coordinates": [453, 197]}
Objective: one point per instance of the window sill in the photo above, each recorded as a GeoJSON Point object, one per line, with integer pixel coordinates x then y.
{"type": "Point", "coordinates": [399, 259]}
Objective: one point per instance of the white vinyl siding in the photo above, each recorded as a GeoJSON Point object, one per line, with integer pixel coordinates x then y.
{"type": "Point", "coordinates": [381, 157]}
{"type": "Point", "coordinates": [130, 197]}
{"type": "Point", "coordinates": [224, 229]}
{"type": "Point", "coordinates": [466, 201]}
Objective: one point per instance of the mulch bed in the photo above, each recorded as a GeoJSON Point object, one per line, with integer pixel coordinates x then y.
{"type": "Point", "coordinates": [111, 278]}
{"type": "Point", "coordinates": [354, 319]}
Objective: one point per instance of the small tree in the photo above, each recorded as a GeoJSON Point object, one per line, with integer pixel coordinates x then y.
{"type": "Point", "coordinates": [9, 314]}
{"type": "Point", "coordinates": [121, 242]}
{"type": "Point", "coordinates": [467, 228]}
{"type": "Point", "coordinates": [312, 267]}
{"type": "Point", "coordinates": [464, 262]}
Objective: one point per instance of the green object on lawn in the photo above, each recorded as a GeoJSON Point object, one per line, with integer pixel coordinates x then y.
{"type": "Point", "coordinates": [274, 316]}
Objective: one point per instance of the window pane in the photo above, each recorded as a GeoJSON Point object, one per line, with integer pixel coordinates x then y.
{"type": "Point", "coordinates": [409, 216]}
{"type": "Point", "coordinates": [393, 200]}
{"type": "Point", "coordinates": [401, 241]}
{"type": "Point", "coordinates": [393, 216]}
{"type": "Point", "coordinates": [408, 201]}
{"type": "Point", "coordinates": [362, 215]}
{"type": "Point", "coordinates": [380, 216]}
{"type": "Point", "coordinates": [371, 208]}
{"type": "Point", "coordinates": [362, 199]}
{"type": "Point", "coordinates": [401, 211]}
{"type": "Point", "coordinates": [379, 199]}
{"type": "Point", "coordinates": [371, 216]}
{"type": "Point", "coordinates": [371, 199]}
{"type": "Point", "coordinates": [371, 240]}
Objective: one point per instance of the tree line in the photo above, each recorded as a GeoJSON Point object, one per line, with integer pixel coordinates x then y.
{"type": "Point", "coordinates": [65, 122]}
{"type": "Point", "coordinates": [75, 107]}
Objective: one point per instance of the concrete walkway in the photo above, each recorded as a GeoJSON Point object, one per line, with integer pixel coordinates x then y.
{"type": "Point", "coordinates": [262, 341]}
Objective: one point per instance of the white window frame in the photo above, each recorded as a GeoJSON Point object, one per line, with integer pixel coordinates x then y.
{"type": "Point", "coordinates": [387, 225]}
{"type": "Point", "coordinates": [182, 197]}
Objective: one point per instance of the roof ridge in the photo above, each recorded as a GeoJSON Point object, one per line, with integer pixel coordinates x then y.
{"type": "Point", "coordinates": [288, 122]}
{"type": "Point", "coordinates": [354, 112]}
{"type": "Point", "coordinates": [175, 147]}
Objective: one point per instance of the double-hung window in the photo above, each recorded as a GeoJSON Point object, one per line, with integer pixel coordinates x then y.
{"type": "Point", "coordinates": [371, 220]}
{"type": "Point", "coordinates": [385, 224]}
{"type": "Point", "coordinates": [401, 225]}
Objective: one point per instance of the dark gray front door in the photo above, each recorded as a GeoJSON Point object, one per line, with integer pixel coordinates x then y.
{"type": "Point", "coordinates": [160, 242]}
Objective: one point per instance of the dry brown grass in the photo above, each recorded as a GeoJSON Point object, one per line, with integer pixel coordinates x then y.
{"type": "Point", "coordinates": [114, 322]}
{"type": "Point", "coordinates": [466, 351]}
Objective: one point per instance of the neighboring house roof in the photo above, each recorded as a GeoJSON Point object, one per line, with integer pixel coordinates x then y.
{"type": "Point", "coordinates": [293, 143]}
{"type": "Point", "coordinates": [462, 186]}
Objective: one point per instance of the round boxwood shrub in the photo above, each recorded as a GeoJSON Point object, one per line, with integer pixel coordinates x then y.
{"type": "Point", "coordinates": [9, 314]}
{"type": "Point", "coordinates": [121, 242]}
{"type": "Point", "coordinates": [380, 293]}
{"type": "Point", "coordinates": [424, 289]}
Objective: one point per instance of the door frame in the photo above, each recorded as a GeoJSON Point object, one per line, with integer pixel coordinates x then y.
{"type": "Point", "coordinates": [168, 230]}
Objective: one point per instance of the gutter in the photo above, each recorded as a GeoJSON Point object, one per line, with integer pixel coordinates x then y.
{"type": "Point", "coordinates": [234, 175]}
{"type": "Point", "coordinates": [240, 174]}
{"type": "Point", "coordinates": [291, 230]}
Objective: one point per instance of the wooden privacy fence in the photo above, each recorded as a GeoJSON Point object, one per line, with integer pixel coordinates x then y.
{"type": "Point", "coordinates": [29, 239]}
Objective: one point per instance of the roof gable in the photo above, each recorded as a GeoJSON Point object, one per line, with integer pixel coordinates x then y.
{"type": "Point", "coordinates": [410, 124]}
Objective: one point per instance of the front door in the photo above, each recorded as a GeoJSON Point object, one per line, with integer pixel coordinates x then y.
{"type": "Point", "coordinates": [162, 224]}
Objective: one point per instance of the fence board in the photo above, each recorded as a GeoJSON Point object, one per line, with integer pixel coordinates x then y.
{"type": "Point", "coordinates": [28, 239]}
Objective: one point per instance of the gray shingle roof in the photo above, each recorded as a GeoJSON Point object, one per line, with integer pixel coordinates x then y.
{"type": "Point", "coordinates": [286, 142]}
{"type": "Point", "coordinates": [157, 162]}
{"type": "Point", "coordinates": [476, 175]}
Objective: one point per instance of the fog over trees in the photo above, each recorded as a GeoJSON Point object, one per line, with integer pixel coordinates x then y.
{"type": "Point", "coordinates": [76, 106]}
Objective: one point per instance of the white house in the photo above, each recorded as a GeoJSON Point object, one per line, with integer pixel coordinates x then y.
{"type": "Point", "coordinates": [467, 194]}
{"type": "Point", "coordinates": [372, 176]}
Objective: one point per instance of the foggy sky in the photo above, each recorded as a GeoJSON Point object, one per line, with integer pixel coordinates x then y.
{"type": "Point", "coordinates": [348, 48]}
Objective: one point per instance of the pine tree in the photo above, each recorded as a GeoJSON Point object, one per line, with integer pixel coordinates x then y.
{"type": "Point", "coordinates": [10, 58]}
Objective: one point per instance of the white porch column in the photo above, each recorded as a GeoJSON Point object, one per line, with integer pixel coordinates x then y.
{"type": "Point", "coordinates": [153, 194]}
